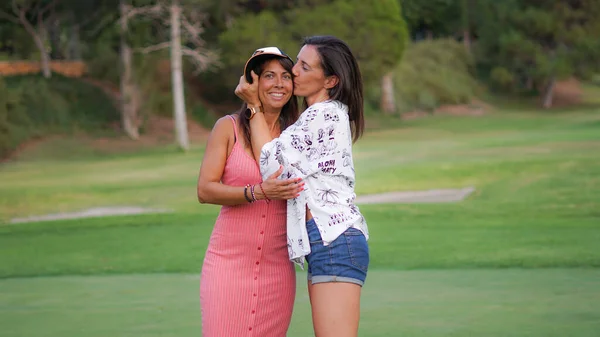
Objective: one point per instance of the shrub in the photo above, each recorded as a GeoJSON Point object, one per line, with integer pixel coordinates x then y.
{"type": "Point", "coordinates": [32, 106]}
{"type": "Point", "coordinates": [432, 73]}
{"type": "Point", "coordinates": [202, 115]}
{"type": "Point", "coordinates": [15, 125]}
{"type": "Point", "coordinates": [502, 78]}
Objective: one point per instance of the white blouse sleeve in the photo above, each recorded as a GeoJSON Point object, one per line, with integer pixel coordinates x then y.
{"type": "Point", "coordinates": [310, 145]}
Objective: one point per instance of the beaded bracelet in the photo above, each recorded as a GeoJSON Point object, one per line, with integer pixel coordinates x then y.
{"type": "Point", "coordinates": [245, 193]}
{"type": "Point", "coordinates": [263, 192]}
{"type": "Point", "coordinates": [252, 192]}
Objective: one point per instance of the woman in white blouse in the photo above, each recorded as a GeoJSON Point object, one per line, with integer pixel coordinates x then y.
{"type": "Point", "coordinates": [323, 223]}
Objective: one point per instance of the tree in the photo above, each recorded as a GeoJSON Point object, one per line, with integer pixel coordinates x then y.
{"type": "Point", "coordinates": [202, 58]}
{"type": "Point", "coordinates": [465, 18]}
{"type": "Point", "coordinates": [192, 46]}
{"type": "Point", "coordinates": [253, 31]}
{"type": "Point", "coordinates": [426, 19]}
{"type": "Point", "coordinates": [177, 77]}
{"type": "Point", "coordinates": [223, 12]}
{"type": "Point", "coordinates": [31, 15]}
{"type": "Point", "coordinates": [5, 96]}
{"type": "Point", "coordinates": [531, 44]}
{"type": "Point", "coordinates": [84, 21]}
{"type": "Point", "coordinates": [378, 36]}
{"type": "Point", "coordinates": [130, 100]}
{"type": "Point", "coordinates": [246, 34]}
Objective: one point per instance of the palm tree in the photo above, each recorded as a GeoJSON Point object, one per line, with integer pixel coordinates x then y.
{"type": "Point", "coordinates": [328, 195]}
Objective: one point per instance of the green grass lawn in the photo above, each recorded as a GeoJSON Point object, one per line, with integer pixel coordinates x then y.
{"type": "Point", "coordinates": [549, 303]}
{"type": "Point", "coordinates": [520, 257]}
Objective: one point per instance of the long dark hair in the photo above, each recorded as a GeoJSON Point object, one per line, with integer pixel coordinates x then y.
{"type": "Point", "coordinates": [337, 59]}
{"type": "Point", "coordinates": [289, 112]}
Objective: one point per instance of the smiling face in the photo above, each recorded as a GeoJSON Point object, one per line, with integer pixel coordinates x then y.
{"type": "Point", "coordinates": [275, 86]}
{"type": "Point", "coordinates": [309, 78]}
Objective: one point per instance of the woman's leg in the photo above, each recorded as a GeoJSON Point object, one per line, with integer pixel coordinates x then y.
{"type": "Point", "coordinates": [335, 308]}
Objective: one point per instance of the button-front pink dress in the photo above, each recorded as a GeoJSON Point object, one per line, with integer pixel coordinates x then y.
{"type": "Point", "coordinates": [248, 283]}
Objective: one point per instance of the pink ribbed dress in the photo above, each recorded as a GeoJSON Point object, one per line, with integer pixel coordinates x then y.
{"type": "Point", "coordinates": [248, 283]}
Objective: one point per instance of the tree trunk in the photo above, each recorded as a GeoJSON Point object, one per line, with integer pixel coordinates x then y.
{"type": "Point", "coordinates": [45, 55]}
{"type": "Point", "coordinates": [128, 91]}
{"type": "Point", "coordinates": [529, 83]}
{"type": "Point", "coordinates": [229, 20]}
{"type": "Point", "coordinates": [177, 78]}
{"type": "Point", "coordinates": [74, 43]}
{"type": "Point", "coordinates": [45, 58]}
{"type": "Point", "coordinates": [388, 102]}
{"type": "Point", "coordinates": [467, 39]}
{"type": "Point", "coordinates": [39, 43]}
{"type": "Point", "coordinates": [464, 13]}
{"type": "Point", "coordinates": [54, 32]}
{"type": "Point", "coordinates": [549, 93]}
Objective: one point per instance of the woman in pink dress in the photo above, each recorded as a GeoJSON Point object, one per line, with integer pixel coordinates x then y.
{"type": "Point", "coordinates": [248, 283]}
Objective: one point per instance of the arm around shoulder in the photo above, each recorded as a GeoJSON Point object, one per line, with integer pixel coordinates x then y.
{"type": "Point", "coordinates": [301, 145]}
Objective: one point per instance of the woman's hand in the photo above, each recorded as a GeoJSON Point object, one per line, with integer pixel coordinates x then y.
{"type": "Point", "coordinates": [248, 92]}
{"type": "Point", "coordinates": [280, 189]}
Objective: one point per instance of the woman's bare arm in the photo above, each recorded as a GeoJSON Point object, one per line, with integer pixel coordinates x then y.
{"type": "Point", "coordinates": [210, 189]}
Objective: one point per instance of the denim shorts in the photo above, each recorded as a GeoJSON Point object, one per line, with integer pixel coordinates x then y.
{"type": "Point", "coordinates": [346, 259]}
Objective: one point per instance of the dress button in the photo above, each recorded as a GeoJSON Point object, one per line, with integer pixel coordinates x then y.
{"type": "Point", "coordinates": [253, 311]}
{"type": "Point", "coordinates": [255, 278]}
{"type": "Point", "coordinates": [264, 216]}
{"type": "Point", "coordinates": [257, 263]}
{"type": "Point", "coordinates": [250, 329]}
{"type": "Point", "coordinates": [262, 232]}
{"type": "Point", "coordinates": [259, 248]}
{"type": "Point", "coordinates": [254, 295]}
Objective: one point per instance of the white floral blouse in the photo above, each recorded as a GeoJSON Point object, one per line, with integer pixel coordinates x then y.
{"type": "Point", "coordinates": [318, 149]}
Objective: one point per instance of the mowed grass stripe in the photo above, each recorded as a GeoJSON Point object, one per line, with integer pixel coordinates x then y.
{"type": "Point", "coordinates": [511, 302]}
{"type": "Point", "coordinates": [402, 237]}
